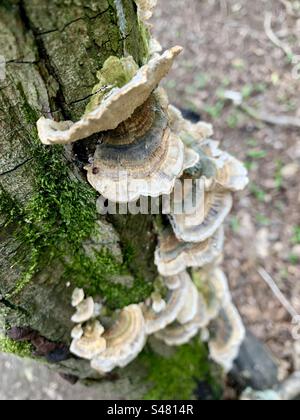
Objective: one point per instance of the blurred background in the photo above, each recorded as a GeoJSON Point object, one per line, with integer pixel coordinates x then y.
{"type": "Point", "coordinates": [240, 70]}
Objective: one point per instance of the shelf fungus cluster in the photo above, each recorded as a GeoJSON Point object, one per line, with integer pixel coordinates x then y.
{"type": "Point", "coordinates": [199, 305]}
{"type": "Point", "coordinates": [145, 8]}
{"type": "Point", "coordinates": [111, 347]}
{"type": "Point", "coordinates": [145, 148]}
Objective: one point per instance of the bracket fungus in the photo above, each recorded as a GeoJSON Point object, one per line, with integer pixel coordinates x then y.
{"type": "Point", "coordinates": [117, 106]}
{"type": "Point", "coordinates": [190, 307]}
{"type": "Point", "coordinates": [91, 343]}
{"type": "Point", "coordinates": [124, 340]}
{"type": "Point", "coordinates": [84, 311]}
{"type": "Point", "coordinates": [77, 297]}
{"type": "Point", "coordinates": [173, 256]}
{"type": "Point", "coordinates": [207, 218]}
{"type": "Point", "coordinates": [142, 146]}
{"type": "Point", "coordinates": [142, 157]}
{"type": "Point", "coordinates": [231, 174]}
{"type": "Point", "coordinates": [213, 285]}
{"type": "Point", "coordinates": [175, 301]}
{"type": "Point", "coordinates": [186, 130]}
{"type": "Point", "coordinates": [207, 188]}
{"type": "Point", "coordinates": [228, 333]}
{"type": "Point", "coordinates": [145, 8]}
{"type": "Point", "coordinates": [77, 332]}
{"type": "Point", "coordinates": [158, 303]}
{"type": "Point", "coordinates": [178, 334]}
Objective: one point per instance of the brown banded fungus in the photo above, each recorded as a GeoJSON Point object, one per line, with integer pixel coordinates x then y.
{"type": "Point", "coordinates": [84, 311]}
{"type": "Point", "coordinates": [206, 192]}
{"type": "Point", "coordinates": [213, 286]}
{"type": "Point", "coordinates": [173, 256]}
{"type": "Point", "coordinates": [142, 157]}
{"type": "Point", "coordinates": [124, 340]}
{"type": "Point", "coordinates": [175, 301]}
{"type": "Point", "coordinates": [207, 217]}
{"type": "Point", "coordinates": [91, 343]}
{"type": "Point", "coordinates": [144, 145]}
{"type": "Point", "coordinates": [228, 334]}
{"type": "Point", "coordinates": [230, 174]}
{"type": "Point", "coordinates": [178, 334]}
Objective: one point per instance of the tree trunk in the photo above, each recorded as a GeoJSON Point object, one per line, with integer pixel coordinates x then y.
{"type": "Point", "coordinates": [53, 50]}
{"type": "Point", "coordinates": [51, 237]}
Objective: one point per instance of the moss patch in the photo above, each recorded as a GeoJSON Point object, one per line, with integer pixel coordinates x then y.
{"type": "Point", "coordinates": [115, 72]}
{"type": "Point", "coordinates": [58, 217]}
{"type": "Point", "coordinates": [176, 377]}
{"type": "Point", "coordinates": [19, 349]}
{"type": "Point", "coordinates": [61, 214]}
{"type": "Point", "coordinates": [56, 221]}
{"type": "Point", "coordinates": [95, 276]}
{"type": "Point", "coordinates": [136, 38]}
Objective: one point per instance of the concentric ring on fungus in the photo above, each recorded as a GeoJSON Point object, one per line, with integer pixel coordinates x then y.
{"type": "Point", "coordinates": [207, 218]}
{"type": "Point", "coordinates": [142, 157]}
{"type": "Point", "coordinates": [124, 340]}
{"type": "Point", "coordinates": [173, 256]}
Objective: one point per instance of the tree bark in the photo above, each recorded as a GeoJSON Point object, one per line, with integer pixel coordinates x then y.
{"type": "Point", "coordinates": [51, 237]}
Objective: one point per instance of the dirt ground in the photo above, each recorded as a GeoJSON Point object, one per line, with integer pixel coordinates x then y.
{"type": "Point", "coordinates": [231, 46]}
{"type": "Point", "coordinates": [249, 47]}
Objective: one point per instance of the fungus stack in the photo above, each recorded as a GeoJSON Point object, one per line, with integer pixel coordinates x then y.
{"type": "Point", "coordinates": [145, 149]}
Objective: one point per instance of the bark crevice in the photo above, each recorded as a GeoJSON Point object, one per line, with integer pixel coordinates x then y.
{"type": "Point", "coordinates": [59, 99]}
{"type": "Point", "coordinates": [16, 167]}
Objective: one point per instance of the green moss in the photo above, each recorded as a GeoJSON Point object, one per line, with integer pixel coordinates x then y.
{"type": "Point", "coordinates": [19, 349]}
{"type": "Point", "coordinates": [176, 377]}
{"type": "Point", "coordinates": [61, 214]}
{"type": "Point", "coordinates": [129, 253]}
{"type": "Point", "coordinates": [7, 4]}
{"type": "Point", "coordinates": [145, 36]}
{"type": "Point", "coordinates": [30, 114]}
{"type": "Point", "coordinates": [115, 72]}
{"type": "Point", "coordinates": [58, 217]}
{"type": "Point", "coordinates": [136, 39]}
{"type": "Point", "coordinates": [8, 207]}
{"type": "Point", "coordinates": [95, 276]}
{"type": "Point", "coordinates": [54, 224]}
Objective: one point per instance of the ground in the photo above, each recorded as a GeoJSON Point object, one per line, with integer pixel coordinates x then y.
{"type": "Point", "coordinates": [228, 47]}
{"type": "Point", "coordinates": [27, 380]}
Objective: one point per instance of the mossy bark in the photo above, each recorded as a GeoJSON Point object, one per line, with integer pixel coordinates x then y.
{"type": "Point", "coordinates": [51, 237]}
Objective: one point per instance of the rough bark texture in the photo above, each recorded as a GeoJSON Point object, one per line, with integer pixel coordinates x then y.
{"type": "Point", "coordinates": [49, 233]}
